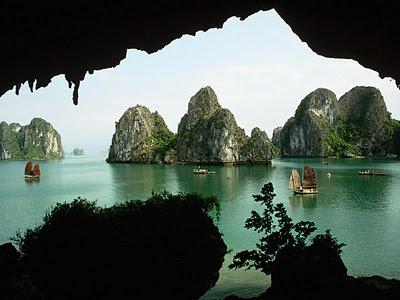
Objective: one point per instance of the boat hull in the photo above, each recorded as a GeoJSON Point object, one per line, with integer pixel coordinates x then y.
{"type": "Point", "coordinates": [200, 171]}
{"type": "Point", "coordinates": [305, 191]}
{"type": "Point", "coordinates": [32, 177]}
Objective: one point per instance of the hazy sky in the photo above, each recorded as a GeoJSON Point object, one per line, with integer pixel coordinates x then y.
{"type": "Point", "coordinates": [259, 69]}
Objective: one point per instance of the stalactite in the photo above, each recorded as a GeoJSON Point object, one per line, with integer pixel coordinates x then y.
{"type": "Point", "coordinates": [31, 82]}
{"type": "Point", "coordinates": [75, 94]}
{"type": "Point", "coordinates": [17, 88]}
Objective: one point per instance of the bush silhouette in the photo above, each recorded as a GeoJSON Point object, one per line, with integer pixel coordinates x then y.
{"type": "Point", "coordinates": [164, 248]}
{"type": "Point", "coordinates": [281, 236]}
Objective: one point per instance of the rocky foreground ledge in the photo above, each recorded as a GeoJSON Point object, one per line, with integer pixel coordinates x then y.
{"type": "Point", "coordinates": [321, 277]}
{"type": "Point", "coordinates": [295, 278]}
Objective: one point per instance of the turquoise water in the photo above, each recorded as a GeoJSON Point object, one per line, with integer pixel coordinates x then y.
{"type": "Point", "coordinates": [362, 211]}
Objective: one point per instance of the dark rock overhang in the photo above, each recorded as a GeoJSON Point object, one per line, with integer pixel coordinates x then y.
{"type": "Point", "coordinates": [41, 40]}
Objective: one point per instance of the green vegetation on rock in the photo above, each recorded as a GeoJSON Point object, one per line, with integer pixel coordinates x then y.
{"type": "Point", "coordinates": [162, 138]}
{"type": "Point", "coordinates": [207, 133]}
{"type": "Point", "coordinates": [358, 124]}
{"type": "Point", "coordinates": [337, 146]}
{"type": "Point", "coordinates": [306, 133]}
{"type": "Point", "coordinates": [38, 140]}
{"type": "Point", "coordinates": [141, 137]}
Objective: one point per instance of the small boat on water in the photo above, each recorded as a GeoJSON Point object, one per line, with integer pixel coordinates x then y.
{"type": "Point", "coordinates": [308, 184]}
{"type": "Point", "coordinates": [32, 171]}
{"type": "Point", "coordinates": [368, 172]}
{"type": "Point", "coordinates": [202, 171]}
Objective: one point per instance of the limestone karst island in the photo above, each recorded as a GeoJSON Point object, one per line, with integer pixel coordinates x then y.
{"type": "Point", "coordinates": [37, 140]}
{"type": "Point", "coordinates": [358, 124]}
{"type": "Point", "coordinates": [172, 231]}
{"type": "Point", "coordinates": [207, 134]}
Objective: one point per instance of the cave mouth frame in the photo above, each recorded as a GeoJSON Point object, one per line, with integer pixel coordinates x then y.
{"type": "Point", "coordinates": [44, 41]}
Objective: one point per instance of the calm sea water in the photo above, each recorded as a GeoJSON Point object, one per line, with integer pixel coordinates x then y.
{"type": "Point", "coordinates": [363, 212]}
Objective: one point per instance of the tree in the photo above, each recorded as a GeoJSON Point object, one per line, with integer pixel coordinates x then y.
{"type": "Point", "coordinates": [164, 248]}
{"type": "Point", "coordinates": [281, 235]}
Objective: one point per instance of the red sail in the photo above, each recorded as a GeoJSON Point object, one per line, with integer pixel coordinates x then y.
{"type": "Point", "coordinates": [36, 170]}
{"type": "Point", "coordinates": [309, 178]}
{"type": "Point", "coordinates": [28, 168]}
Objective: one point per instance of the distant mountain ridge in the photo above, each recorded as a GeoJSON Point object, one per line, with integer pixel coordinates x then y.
{"type": "Point", "coordinates": [37, 140]}
{"type": "Point", "coordinates": [207, 134]}
{"type": "Point", "coordinates": [358, 124]}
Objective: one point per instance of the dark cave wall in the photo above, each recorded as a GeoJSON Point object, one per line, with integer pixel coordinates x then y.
{"type": "Point", "coordinates": [40, 41]}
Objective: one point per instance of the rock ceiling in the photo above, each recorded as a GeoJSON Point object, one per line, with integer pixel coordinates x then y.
{"type": "Point", "coordinates": [40, 41]}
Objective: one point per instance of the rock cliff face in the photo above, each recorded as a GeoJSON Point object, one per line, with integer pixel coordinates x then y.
{"type": "Point", "coordinates": [258, 148]}
{"type": "Point", "coordinates": [356, 125]}
{"type": "Point", "coordinates": [38, 140]}
{"type": "Point", "coordinates": [208, 133]}
{"type": "Point", "coordinates": [276, 136]}
{"type": "Point", "coordinates": [140, 136]}
{"type": "Point", "coordinates": [306, 133]}
{"type": "Point", "coordinates": [365, 121]}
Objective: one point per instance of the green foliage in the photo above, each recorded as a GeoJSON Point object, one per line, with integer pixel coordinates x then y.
{"type": "Point", "coordinates": [162, 138]}
{"type": "Point", "coordinates": [280, 235]}
{"type": "Point", "coordinates": [394, 133]}
{"type": "Point", "coordinates": [337, 146]}
{"type": "Point", "coordinates": [40, 125]}
{"type": "Point", "coordinates": [83, 251]}
{"type": "Point", "coordinates": [11, 143]}
{"type": "Point", "coordinates": [351, 132]}
{"type": "Point", "coordinates": [392, 127]}
{"type": "Point", "coordinates": [32, 152]}
{"type": "Point", "coordinates": [20, 144]}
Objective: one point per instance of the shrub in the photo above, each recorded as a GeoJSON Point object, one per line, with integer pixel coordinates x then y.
{"type": "Point", "coordinates": [164, 248]}
{"type": "Point", "coordinates": [281, 235]}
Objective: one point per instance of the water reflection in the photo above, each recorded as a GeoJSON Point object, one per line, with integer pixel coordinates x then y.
{"type": "Point", "coordinates": [344, 188]}
{"type": "Point", "coordinates": [30, 181]}
{"type": "Point", "coordinates": [307, 201]}
{"type": "Point", "coordinates": [362, 212]}
{"type": "Point", "coordinates": [134, 181]}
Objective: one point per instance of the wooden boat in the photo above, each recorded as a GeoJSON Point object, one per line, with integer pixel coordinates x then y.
{"type": "Point", "coordinates": [309, 184]}
{"type": "Point", "coordinates": [367, 172]}
{"type": "Point", "coordinates": [32, 172]}
{"type": "Point", "coordinates": [200, 171]}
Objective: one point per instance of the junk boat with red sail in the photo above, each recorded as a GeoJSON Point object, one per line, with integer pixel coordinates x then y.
{"type": "Point", "coordinates": [32, 171]}
{"type": "Point", "coordinates": [309, 183]}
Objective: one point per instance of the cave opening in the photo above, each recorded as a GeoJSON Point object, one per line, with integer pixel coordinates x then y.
{"type": "Point", "coordinates": [260, 70]}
